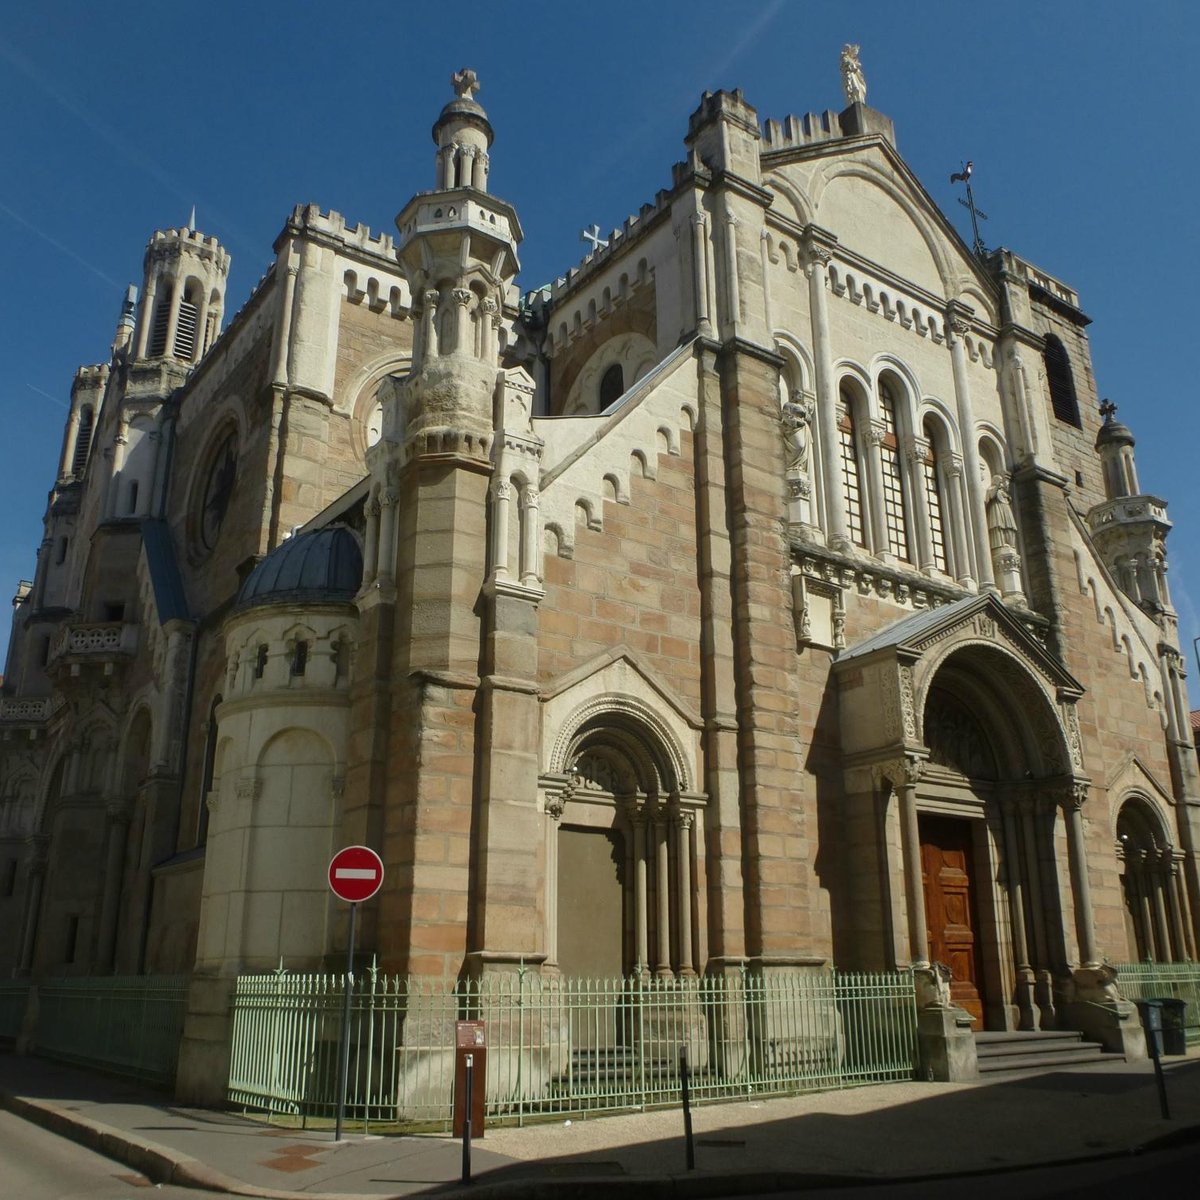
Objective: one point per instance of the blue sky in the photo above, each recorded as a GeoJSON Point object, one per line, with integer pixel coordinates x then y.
{"type": "Point", "coordinates": [1080, 118]}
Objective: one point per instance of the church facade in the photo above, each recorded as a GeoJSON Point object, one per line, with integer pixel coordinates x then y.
{"type": "Point", "coordinates": [771, 591]}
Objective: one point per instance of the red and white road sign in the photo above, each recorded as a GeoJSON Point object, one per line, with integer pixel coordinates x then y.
{"type": "Point", "coordinates": [355, 874]}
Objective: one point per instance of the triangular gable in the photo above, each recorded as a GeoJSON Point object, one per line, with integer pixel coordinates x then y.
{"type": "Point", "coordinates": [912, 636]}
{"type": "Point", "coordinates": [1132, 775]}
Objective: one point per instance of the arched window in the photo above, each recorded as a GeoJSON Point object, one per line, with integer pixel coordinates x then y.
{"type": "Point", "coordinates": [1061, 381]}
{"type": "Point", "coordinates": [186, 325]}
{"type": "Point", "coordinates": [933, 499]}
{"type": "Point", "coordinates": [851, 482]}
{"type": "Point", "coordinates": [612, 385]}
{"type": "Point", "coordinates": [83, 440]}
{"type": "Point", "coordinates": [162, 319]}
{"type": "Point", "coordinates": [895, 516]}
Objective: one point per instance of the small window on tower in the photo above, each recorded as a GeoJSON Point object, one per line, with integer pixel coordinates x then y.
{"type": "Point", "coordinates": [83, 441]}
{"type": "Point", "coordinates": [158, 331]}
{"type": "Point", "coordinates": [61, 556]}
{"type": "Point", "coordinates": [300, 658]}
{"type": "Point", "coordinates": [260, 662]}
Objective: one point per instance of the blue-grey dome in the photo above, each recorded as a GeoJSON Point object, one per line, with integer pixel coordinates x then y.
{"type": "Point", "coordinates": [317, 568]}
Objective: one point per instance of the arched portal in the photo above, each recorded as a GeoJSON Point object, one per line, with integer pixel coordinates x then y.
{"type": "Point", "coordinates": [989, 827]}
{"type": "Point", "coordinates": [963, 791]}
{"type": "Point", "coordinates": [622, 855]}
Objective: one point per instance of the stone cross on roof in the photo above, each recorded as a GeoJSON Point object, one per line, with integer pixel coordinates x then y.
{"type": "Point", "coordinates": [593, 235]}
{"type": "Point", "coordinates": [1108, 410]}
{"type": "Point", "coordinates": [465, 83]}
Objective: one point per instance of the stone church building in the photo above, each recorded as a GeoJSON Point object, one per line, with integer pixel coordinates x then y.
{"type": "Point", "coordinates": [770, 592]}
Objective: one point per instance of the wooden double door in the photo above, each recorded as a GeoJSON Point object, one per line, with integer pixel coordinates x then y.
{"type": "Point", "coordinates": [951, 911]}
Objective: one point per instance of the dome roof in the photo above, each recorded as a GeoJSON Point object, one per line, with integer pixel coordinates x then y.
{"type": "Point", "coordinates": [321, 567]}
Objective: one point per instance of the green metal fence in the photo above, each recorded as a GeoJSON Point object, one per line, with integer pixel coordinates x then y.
{"type": "Point", "coordinates": [564, 1045]}
{"type": "Point", "coordinates": [14, 996]}
{"type": "Point", "coordinates": [130, 1025]}
{"type": "Point", "coordinates": [1151, 980]}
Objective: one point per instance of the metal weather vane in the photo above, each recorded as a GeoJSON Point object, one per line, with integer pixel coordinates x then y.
{"type": "Point", "coordinates": [977, 214]}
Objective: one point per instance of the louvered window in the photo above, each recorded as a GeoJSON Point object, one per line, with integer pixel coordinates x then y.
{"type": "Point", "coordinates": [851, 486]}
{"type": "Point", "coordinates": [158, 331]}
{"type": "Point", "coordinates": [893, 482]}
{"type": "Point", "coordinates": [185, 330]}
{"type": "Point", "coordinates": [83, 441]}
{"type": "Point", "coordinates": [1061, 381]}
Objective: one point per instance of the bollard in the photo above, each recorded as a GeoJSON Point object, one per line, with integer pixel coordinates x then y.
{"type": "Point", "coordinates": [687, 1109]}
{"type": "Point", "coordinates": [466, 1142]}
{"type": "Point", "coordinates": [1151, 1011]}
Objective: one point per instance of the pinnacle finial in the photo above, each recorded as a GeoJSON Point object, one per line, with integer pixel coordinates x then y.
{"type": "Point", "coordinates": [191, 225]}
{"type": "Point", "coordinates": [465, 83]}
{"type": "Point", "coordinates": [1108, 410]}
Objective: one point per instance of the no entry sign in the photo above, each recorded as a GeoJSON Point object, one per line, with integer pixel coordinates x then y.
{"type": "Point", "coordinates": [355, 874]}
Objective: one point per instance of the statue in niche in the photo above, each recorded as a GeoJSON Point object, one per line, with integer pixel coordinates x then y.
{"type": "Point", "coordinates": [1001, 523]}
{"type": "Point", "coordinates": [796, 416]}
{"type": "Point", "coordinates": [854, 84]}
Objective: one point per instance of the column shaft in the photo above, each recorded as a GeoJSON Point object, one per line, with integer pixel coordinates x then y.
{"type": "Point", "coordinates": [918, 931]}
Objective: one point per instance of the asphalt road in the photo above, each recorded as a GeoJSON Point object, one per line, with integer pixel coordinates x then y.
{"type": "Point", "coordinates": [38, 1165]}
{"type": "Point", "coordinates": [1162, 1173]}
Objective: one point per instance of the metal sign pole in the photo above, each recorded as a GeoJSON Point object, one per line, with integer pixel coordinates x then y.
{"type": "Point", "coordinates": [469, 1089]}
{"type": "Point", "coordinates": [344, 1055]}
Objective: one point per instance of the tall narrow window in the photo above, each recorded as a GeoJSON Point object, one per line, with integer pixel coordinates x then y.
{"type": "Point", "coordinates": [933, 501]}
{"type": "Point", "coordinates": [1061, 381]}
{"type": "Point", "coordinates": [158, 331]}
{"type": "Point", "coordinates": [206, 779]}
{"type": "Point", "coordinates": [186, 326]}
{"type": "Point", "coordinates": [83, 440]}
{"type": "Point", "coordinates": [851, 486]}
{"type": "Point", "coordinates": [893, 481]}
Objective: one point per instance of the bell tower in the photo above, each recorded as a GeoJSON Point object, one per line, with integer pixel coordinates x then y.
{"type": "Point", "coordinates": [183, 294]}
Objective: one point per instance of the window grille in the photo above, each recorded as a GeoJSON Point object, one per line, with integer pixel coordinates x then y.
{"type": "Point", "coordinates": [893, 481]}
{"type": "Point", "coordinates": [851, 486]}
{"type": "Point", "coordinates": [933, 498]}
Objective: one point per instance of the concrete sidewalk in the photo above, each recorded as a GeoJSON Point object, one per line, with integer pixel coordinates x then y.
{"type": "Point", "coordinates": [896, 1131]}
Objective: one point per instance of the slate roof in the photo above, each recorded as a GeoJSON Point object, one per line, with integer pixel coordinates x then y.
{"type": "Point", "coordinates": [324, 566]}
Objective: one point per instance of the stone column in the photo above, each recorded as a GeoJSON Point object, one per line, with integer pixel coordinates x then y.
{"type": "Point", "coordinates": [39, 846]}
{"type": "Point", "coordinates": [956, 326]}
{"type": "Point", "coordinates": [283, 330]}
{"type": "Point", "coordinates": [489, 323]}
{"type": "Point", "coordinates": [817, 246]}
{"type": "Point", "coordinates": [555, 805]}
{"type": "Point", "coordinates": [112, 501]}
{"type": "Point", "coordinates": [531, 541]}
{"type": "Point", "coordinates": [683, 830]}
{"type": "Point", "coordinates": [386, 563]}
{"type": "Point", "coordinates": [956, 529]}
{"type": "Point", "coordinates": [462, 320]}
{"type": "Point", "coordinates": [466, 171]}
{"type": "Point", "coordinates": [501, 499]}
{"type": "Point", "coordinates": [1043, 992]}
{"type": "Point", "coordinates": [1170, 897]}
{"type": "Point", "coordinates": [1080, 885]}
{"type": "Point", "coordinates": [700, 272]}
{"type": "Point", "coordinates": [430, 347]}
{"type": "Point", "coordinates": [872, 439]}
{"type": "Point", "coordinates": [732, 292]}
{"type": "Point", "coordinates": [1181, 907]}
{"type": "Point", "coordinates": [200, 344]}
{"type": "Point", "coordinates": [641, 917]}
{"type": "Point", "coordinates": [662, 890]}
{"type": "Point", "coordinates": [371, 540]}
{"type": "Point", "coordinates": [147, 316]}
{"type": "Point", "coordinates": [916, 450]}
{"type": "Point", "coordinates": [918, 931]}
{"type": "Point", "coordinates": [70, 441]}
{"type": "Point", "coordinates": [1016, 902]}
{"type": "Point", "coordinates": [116, 834]}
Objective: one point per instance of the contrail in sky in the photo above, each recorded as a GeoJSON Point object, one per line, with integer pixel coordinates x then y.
{"type": "Point", "coordinates": [60, 246]}
{"type": "Point", "coordinates": [55, 399]}
{"type": "Point", "coordinates": [9, 54]}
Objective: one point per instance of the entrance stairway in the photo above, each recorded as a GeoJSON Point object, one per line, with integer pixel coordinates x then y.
{"type": "Point", "coordinates": [1043, 1050]}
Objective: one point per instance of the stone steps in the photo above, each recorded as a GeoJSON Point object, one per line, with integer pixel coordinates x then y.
{"type": "Point", "coordinates": [1036, 1050]}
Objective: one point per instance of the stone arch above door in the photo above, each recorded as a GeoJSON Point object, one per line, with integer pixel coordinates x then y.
{"type": "Point", "coordinates": [884, 684]}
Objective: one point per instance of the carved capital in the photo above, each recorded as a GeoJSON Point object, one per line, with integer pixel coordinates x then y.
{"type": "Point", "coordinates": [874, 433]}
{"type": "Point", "coordinates": [461, 296]}
{"type": "Point", "coordinates": [916, 449]}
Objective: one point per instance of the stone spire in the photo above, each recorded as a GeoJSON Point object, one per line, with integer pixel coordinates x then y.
{"type": "Point", "coordinates": [127, 320]}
